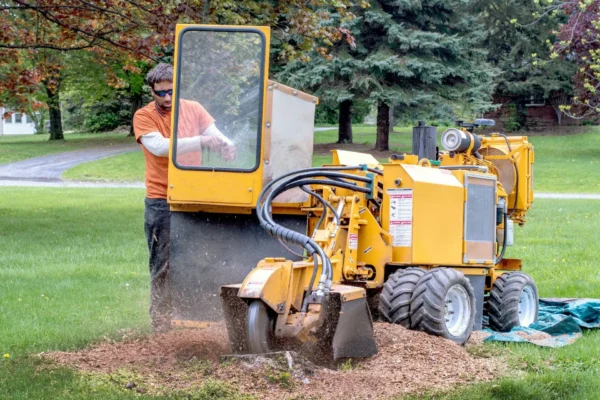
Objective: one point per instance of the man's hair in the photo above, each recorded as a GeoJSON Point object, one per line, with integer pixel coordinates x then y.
{"type": "Point", "coordinates": [161, 73]}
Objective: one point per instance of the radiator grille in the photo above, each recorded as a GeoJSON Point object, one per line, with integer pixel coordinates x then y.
{"type": "Point", "coordinates": [480, 219]}
{"type": "Point", "coordinates": [506, 168]}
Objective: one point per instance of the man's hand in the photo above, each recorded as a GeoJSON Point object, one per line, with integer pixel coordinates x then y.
{"type": "Point", "coordinates": [214, 143]}
{"type": "Point", "coordinates": [218, 145]}
{"type": "Point", "coordinates": [228, 152]}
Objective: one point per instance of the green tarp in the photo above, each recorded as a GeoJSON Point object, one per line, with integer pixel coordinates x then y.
{"type": "Point", "coordinates": [560, 323]}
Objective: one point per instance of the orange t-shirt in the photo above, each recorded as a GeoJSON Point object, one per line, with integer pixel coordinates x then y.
{"type": "Point", "coordinates": [192, 120]}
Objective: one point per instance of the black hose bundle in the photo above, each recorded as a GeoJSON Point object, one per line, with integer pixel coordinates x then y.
{"type": "Point", "coordinates": [301, 178]}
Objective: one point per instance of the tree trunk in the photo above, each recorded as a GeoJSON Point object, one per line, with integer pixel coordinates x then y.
{"type": "Point", "coordinates": [345, 122]}
{"type": "Point", "coordinates": [558, 112]}
{"type": "Point", "coordinates": [392, 118]}
{"type": "Point", "coordinates": [38, 119]}
{"type": "Point", "coordinates": [383, 127]}
{"type": "Point", "coordinates": [136, 103]}
{"type": "Point", "coordinates": [56, 131]}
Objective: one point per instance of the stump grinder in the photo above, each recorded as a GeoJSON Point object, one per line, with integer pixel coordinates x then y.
{"type": "Point", "coordinates": [322, 251]}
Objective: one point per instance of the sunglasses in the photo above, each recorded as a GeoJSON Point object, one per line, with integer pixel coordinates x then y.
{"type": "Point", "coordinates": [163, 93]}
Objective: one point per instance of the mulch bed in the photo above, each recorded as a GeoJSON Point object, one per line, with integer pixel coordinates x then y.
{"type": "Point", "coordinates": [407, 362]}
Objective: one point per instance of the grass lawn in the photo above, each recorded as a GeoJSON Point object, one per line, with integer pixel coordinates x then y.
{"type": "Point", "coordinates": [568, 163]}
{"type": "Point", "coordinates": [559, 248]}
{"type": "Point", "coordinates": [563, 164]}
{"type": "Point", "coordinates": [126, 167]}
{"type": "Point", "coordinates": [73, 271]}
{"type": "Point", "coordinates": [20, 147]}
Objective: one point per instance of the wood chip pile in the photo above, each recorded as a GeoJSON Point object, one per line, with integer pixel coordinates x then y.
{"type": "Point", "coordinates": [408, 362]}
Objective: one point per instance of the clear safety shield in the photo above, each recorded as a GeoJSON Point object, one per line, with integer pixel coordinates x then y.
{"type": "Point", "coordinates": [219, 99]}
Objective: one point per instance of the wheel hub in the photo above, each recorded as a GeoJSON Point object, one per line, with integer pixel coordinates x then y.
{"type": "Point", "coordinates": [457, 310]}
{"type": "Point", "coordinates": [527, 306]}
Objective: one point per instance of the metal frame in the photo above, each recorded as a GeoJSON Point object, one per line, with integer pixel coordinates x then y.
{"type": "Point", "coordinates": [261, 100]}
{"type": "Point", "coordinates": [492, 211]}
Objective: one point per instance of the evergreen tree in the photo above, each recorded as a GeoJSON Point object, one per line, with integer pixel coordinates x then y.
{"type": "Point", "coordinates": [422, 54]}
{"type": "Point", "coordinates": [333, 81]}
{"type": "Point", "coordinates": [409, 54]}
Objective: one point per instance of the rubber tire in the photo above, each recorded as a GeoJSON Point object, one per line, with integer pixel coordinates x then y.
{"type": "Point", "coordinates": [260, 325]}
{"type": "Point", "coordinates": [428, 303]}
{"type": "Point", "coordinates": [503, 302]}
{"type": "Point", "coordinates": [373, 304]}
{"type": "Point", "coordinates": [394, 300]}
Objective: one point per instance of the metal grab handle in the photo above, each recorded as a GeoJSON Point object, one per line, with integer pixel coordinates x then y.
{"type": "Point", "coordinates": [481, 168]}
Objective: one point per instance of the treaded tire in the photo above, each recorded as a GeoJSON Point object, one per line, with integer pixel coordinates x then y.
{"type": "Point", "coordinates": [394, 300]}
{"type": "Point", "coordinates": [428, 304]}
{"type": "Point", "coordinates": [504, 299]}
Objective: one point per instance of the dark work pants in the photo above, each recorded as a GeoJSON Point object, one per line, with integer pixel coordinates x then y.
{"type": "Point", "coordinates": [157, 225]}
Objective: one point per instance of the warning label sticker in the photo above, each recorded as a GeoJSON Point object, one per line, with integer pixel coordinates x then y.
{"type": "Point", "coordinates": [401, 213]}
{"type": "Point", "coordinates": [353, 241]}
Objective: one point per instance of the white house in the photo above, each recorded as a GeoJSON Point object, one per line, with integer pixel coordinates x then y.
{"type": "Point", "coordinates": [16, 124]}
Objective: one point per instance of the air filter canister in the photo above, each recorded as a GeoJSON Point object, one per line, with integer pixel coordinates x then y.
{"type": "Point", "coordinates": [458, 141]}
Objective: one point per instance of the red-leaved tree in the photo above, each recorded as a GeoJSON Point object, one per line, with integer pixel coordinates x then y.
{"type": "Point", "coordinates": [33, 34]}
{"type": "Point", "coordinates": [579, 40]}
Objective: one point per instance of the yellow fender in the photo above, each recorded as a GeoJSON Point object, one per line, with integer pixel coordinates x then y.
{"type": "Point", "coordinates": [270, 282]}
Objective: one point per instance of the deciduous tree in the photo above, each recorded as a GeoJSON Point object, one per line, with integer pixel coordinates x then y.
{"type": "Point", "coordinates": [142, 30]}
{"type": "Point", "coordinates": [579, 41]}
{"type": "Point", "coordinates": [518, 43]}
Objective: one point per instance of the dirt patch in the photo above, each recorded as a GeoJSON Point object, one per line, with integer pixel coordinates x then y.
{"type": "Point", "coordinates": [407, 362]}
{"type": "Point", "coordinates": [478, 337]}
{"type": "Point", "coordinates": [533, 336]}
{"type": "Point", "coordinates": [158, 350]}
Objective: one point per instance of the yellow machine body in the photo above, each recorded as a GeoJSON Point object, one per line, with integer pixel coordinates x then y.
{"type": "Point", "coordinates": [381, 218]}
{"type": "Point", "coordinates": [511, 159]}
{"type": "Point", "coordinates": [427, 216]}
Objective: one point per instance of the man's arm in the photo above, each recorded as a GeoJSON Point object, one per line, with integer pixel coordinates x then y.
{"type": "Point", "coordinates": [207, 127]}
{"type": "Point", "coordinates": [228, 151]}
{"type": "Point", "coordinates": [158, 145]}
{"type": "Point", "coordinates": [212, 130]}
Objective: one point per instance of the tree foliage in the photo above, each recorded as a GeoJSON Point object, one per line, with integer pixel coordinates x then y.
{"type": "Point", "coordinates": [519, 34]}
{"type": "Point", "coordinates": [126, 32]}
{"type": "Point", "coordinates": [143, 29]}
{"type": "Point", "coordinates": [579, 41]}
{"type": "Point", "coordinates": [412, 55]}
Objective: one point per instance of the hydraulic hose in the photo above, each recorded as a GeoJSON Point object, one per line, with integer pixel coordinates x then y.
{"type": "Point", "coordinates": [325, 203]}
{"type": "Point", "coordinates": [276, 230]}
{"type": "Point", "coordinates": [310, 284]}
{"type": "Point", "coordinates": [279, 178]}
{"type": "Point", "coordinates": [505, 236]}
{"type": "Point", "coordinates": [293, 236]}
{"type": "Point", "coordinates": [315, 259]}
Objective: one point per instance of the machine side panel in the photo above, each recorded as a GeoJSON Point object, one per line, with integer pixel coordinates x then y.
{"type": "Point", "coordinates": [437, 217]}
{"type": "Point", "coordinates": [437, 224]}
{"type": "Point", "coordinates": [292, 132]}
{"type": "Point", "coordinates": [393, 193]}
{"type": "Point", "coordinates": [210, 250]}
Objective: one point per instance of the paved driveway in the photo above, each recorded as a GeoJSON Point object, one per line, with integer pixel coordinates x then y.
{"type": "Point", "coordinates": [49, 168]}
